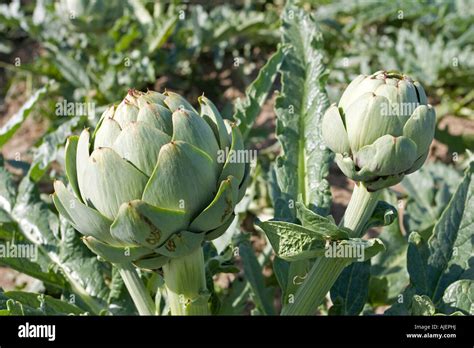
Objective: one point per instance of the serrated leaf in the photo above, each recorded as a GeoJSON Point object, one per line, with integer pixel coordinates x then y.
{"type": "Point", "coordinates": [253, 272]}
{"type": "Point", "coordinates": [246, 111]}
{"type": "Point", "coordinates": [422, 305]}
{"type": "Point", "coordinates": [350, 292]}
{"type": "Point", "coordinates": [383, 215]}
{"type": "Point", "coordinates": [443, 259]}
{"type": "Point", "coordinates": [293, 242]}
{"type": "Point", "coordinates": [14, 123]}
{"type": "Point", "coordinates": [42, 304]}
{"type": "Point", "coordinates": [61, 244]}
{"type": "Point", "coordinates": [459, 296]}
{"type": "Point", "coordinates": [389, 268]}
{"type": "Point", "coordinates": [48, 152]}
{"type": "Point", "coordinates": [302, 167]}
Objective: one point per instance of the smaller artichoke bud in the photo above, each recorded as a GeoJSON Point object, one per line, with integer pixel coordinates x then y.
{"type": "Point", "coordinates": [381, 129]}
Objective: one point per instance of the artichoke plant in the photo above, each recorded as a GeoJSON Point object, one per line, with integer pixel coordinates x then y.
{"type": "Point", "coordinates": [381, 129]}
{"type": "Point", "coordinates": [152, 183]}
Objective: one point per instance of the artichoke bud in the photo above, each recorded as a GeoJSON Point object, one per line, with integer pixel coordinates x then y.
{"type": "Point", "coordinates": [381, 129]}
{"type": "Point", "coordinates": [148, 185]}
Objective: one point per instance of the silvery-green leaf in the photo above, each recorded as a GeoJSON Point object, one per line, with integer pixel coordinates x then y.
{"type": "Point", "coordinates": [315, 222]}
{"type": "Point", "coordinates": [174, 102]}
{"type": "Point", "coordinates": [355, 249]}
{"type": "Point", "coordinates": [140, 144]}
{"type": "Point", "coordinates": [383, 215]}
{"type": "Point", "coordinates": [334, 131]}
{"type": "Point", "coordinates": [293, 242]}
{"type": "Point", "coordinates": [181, 244]}
{"type": "Point", "coordinates": [70, 164]}
{"type": "Point", "coordinates": [184, 179]}
{"type": "Point", "coordinates": [108, 131]}
{"type": "Point", "coordinates": [218, 211]}
{"type": "Point", "coordinates": [86, 220]}
{"type": "Point", "coordinates": [139, 223]}
{"type": "Point", "coordinates": [191, 128]}
{"type": "Point", "coordinates": [115, 254]}
{"type": "Point", "coordinates": [422, 305]}
{"type": "Point", "coordinates": [158, 116]}
{"type": "Point", "coordinates": [110, 181]}
{"type": "Point", "coordinates": [459, 296]}
{"type": "Point", "coordinates": [212, 116]}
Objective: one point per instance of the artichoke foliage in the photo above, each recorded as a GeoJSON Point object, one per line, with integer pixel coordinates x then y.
{"type": "Point", "coordinates": [154, 180]}
{"type": "Point", "coordinates": [381, 130]}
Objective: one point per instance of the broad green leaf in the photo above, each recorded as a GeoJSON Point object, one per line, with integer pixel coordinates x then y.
{"type": "Point", "coordinates": [459, 296]}
{"type": "Point", "coordinates": [422, 305]}
{"type": "Point", "coordinates": [12, 125]}
{"type": "Point", "coordinates": [302, 167]}
{"type": "Point", "coordinates": [430, 190]}
{"type": "Point", "coordinates": [313, 221]}
{"type": "Point", "coordinates": [389, 268]}
{"type": "Point", "coordinates": [443, 259]}
{"type": "Point", "coordinates": [58, 241]}
{"type": "Point", "coordinates": [350, 292]}
{"type": "Point", "coordinates": [7, 189]}
{"type": "Point", "coordinates": [355, 249]}
{"type": "Point", "coordinates": [72, 70]}
{"type": "Point", "coordinates": [253, 272]}
{"type": "Point", "coordinates": [383, 215]}
{"type": "Point", "coordinates": [256, 93]}
{"type": "Point", "coordinates": [50, 148]}
{"type": "Point", "coordinates": [436, 263]}
{"type": "Point", "coordinates": [119, 299]}
{"type": "Point", "coordinates": [42, 304]}
{"type": "Point", "coordinates": [34, 269]}
{"type": "Point", "coordinates": [293, 242]}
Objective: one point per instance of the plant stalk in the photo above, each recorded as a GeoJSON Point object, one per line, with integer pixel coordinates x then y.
{"type": "Point", "coordinates": [140, 296]}
{"type": "Point", "coordinates": [185, 281]}
{"type": "Point", "coordinates": [325, 271]}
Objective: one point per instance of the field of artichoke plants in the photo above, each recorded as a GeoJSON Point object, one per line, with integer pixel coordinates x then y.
{"type": "Point", "coordinates": [249, 158]}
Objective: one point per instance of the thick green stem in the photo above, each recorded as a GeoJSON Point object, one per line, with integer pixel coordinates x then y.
{"type": "Point", "coordinates": [325, 271]}
{"type": "Point", "coordinates": [360, 209]}
{"type": "Point", "coordinates": [185, 280]}
{"type": "Point", "coordinates": [140, 296]}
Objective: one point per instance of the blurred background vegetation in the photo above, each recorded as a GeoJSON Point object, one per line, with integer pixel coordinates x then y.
{"type": "Point", "coordinates": [94, 51]}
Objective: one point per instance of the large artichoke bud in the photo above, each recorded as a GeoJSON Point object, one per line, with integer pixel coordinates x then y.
{"type": "Point", "coordinates": [381, 129]}
{"type": "Point", "coordinates": [153, 181]}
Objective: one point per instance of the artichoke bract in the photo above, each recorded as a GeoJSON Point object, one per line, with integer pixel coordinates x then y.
{"type": "Point", "coordinates": [150, 184]}
{"type": "Point", "coordinates": [381, 129]}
